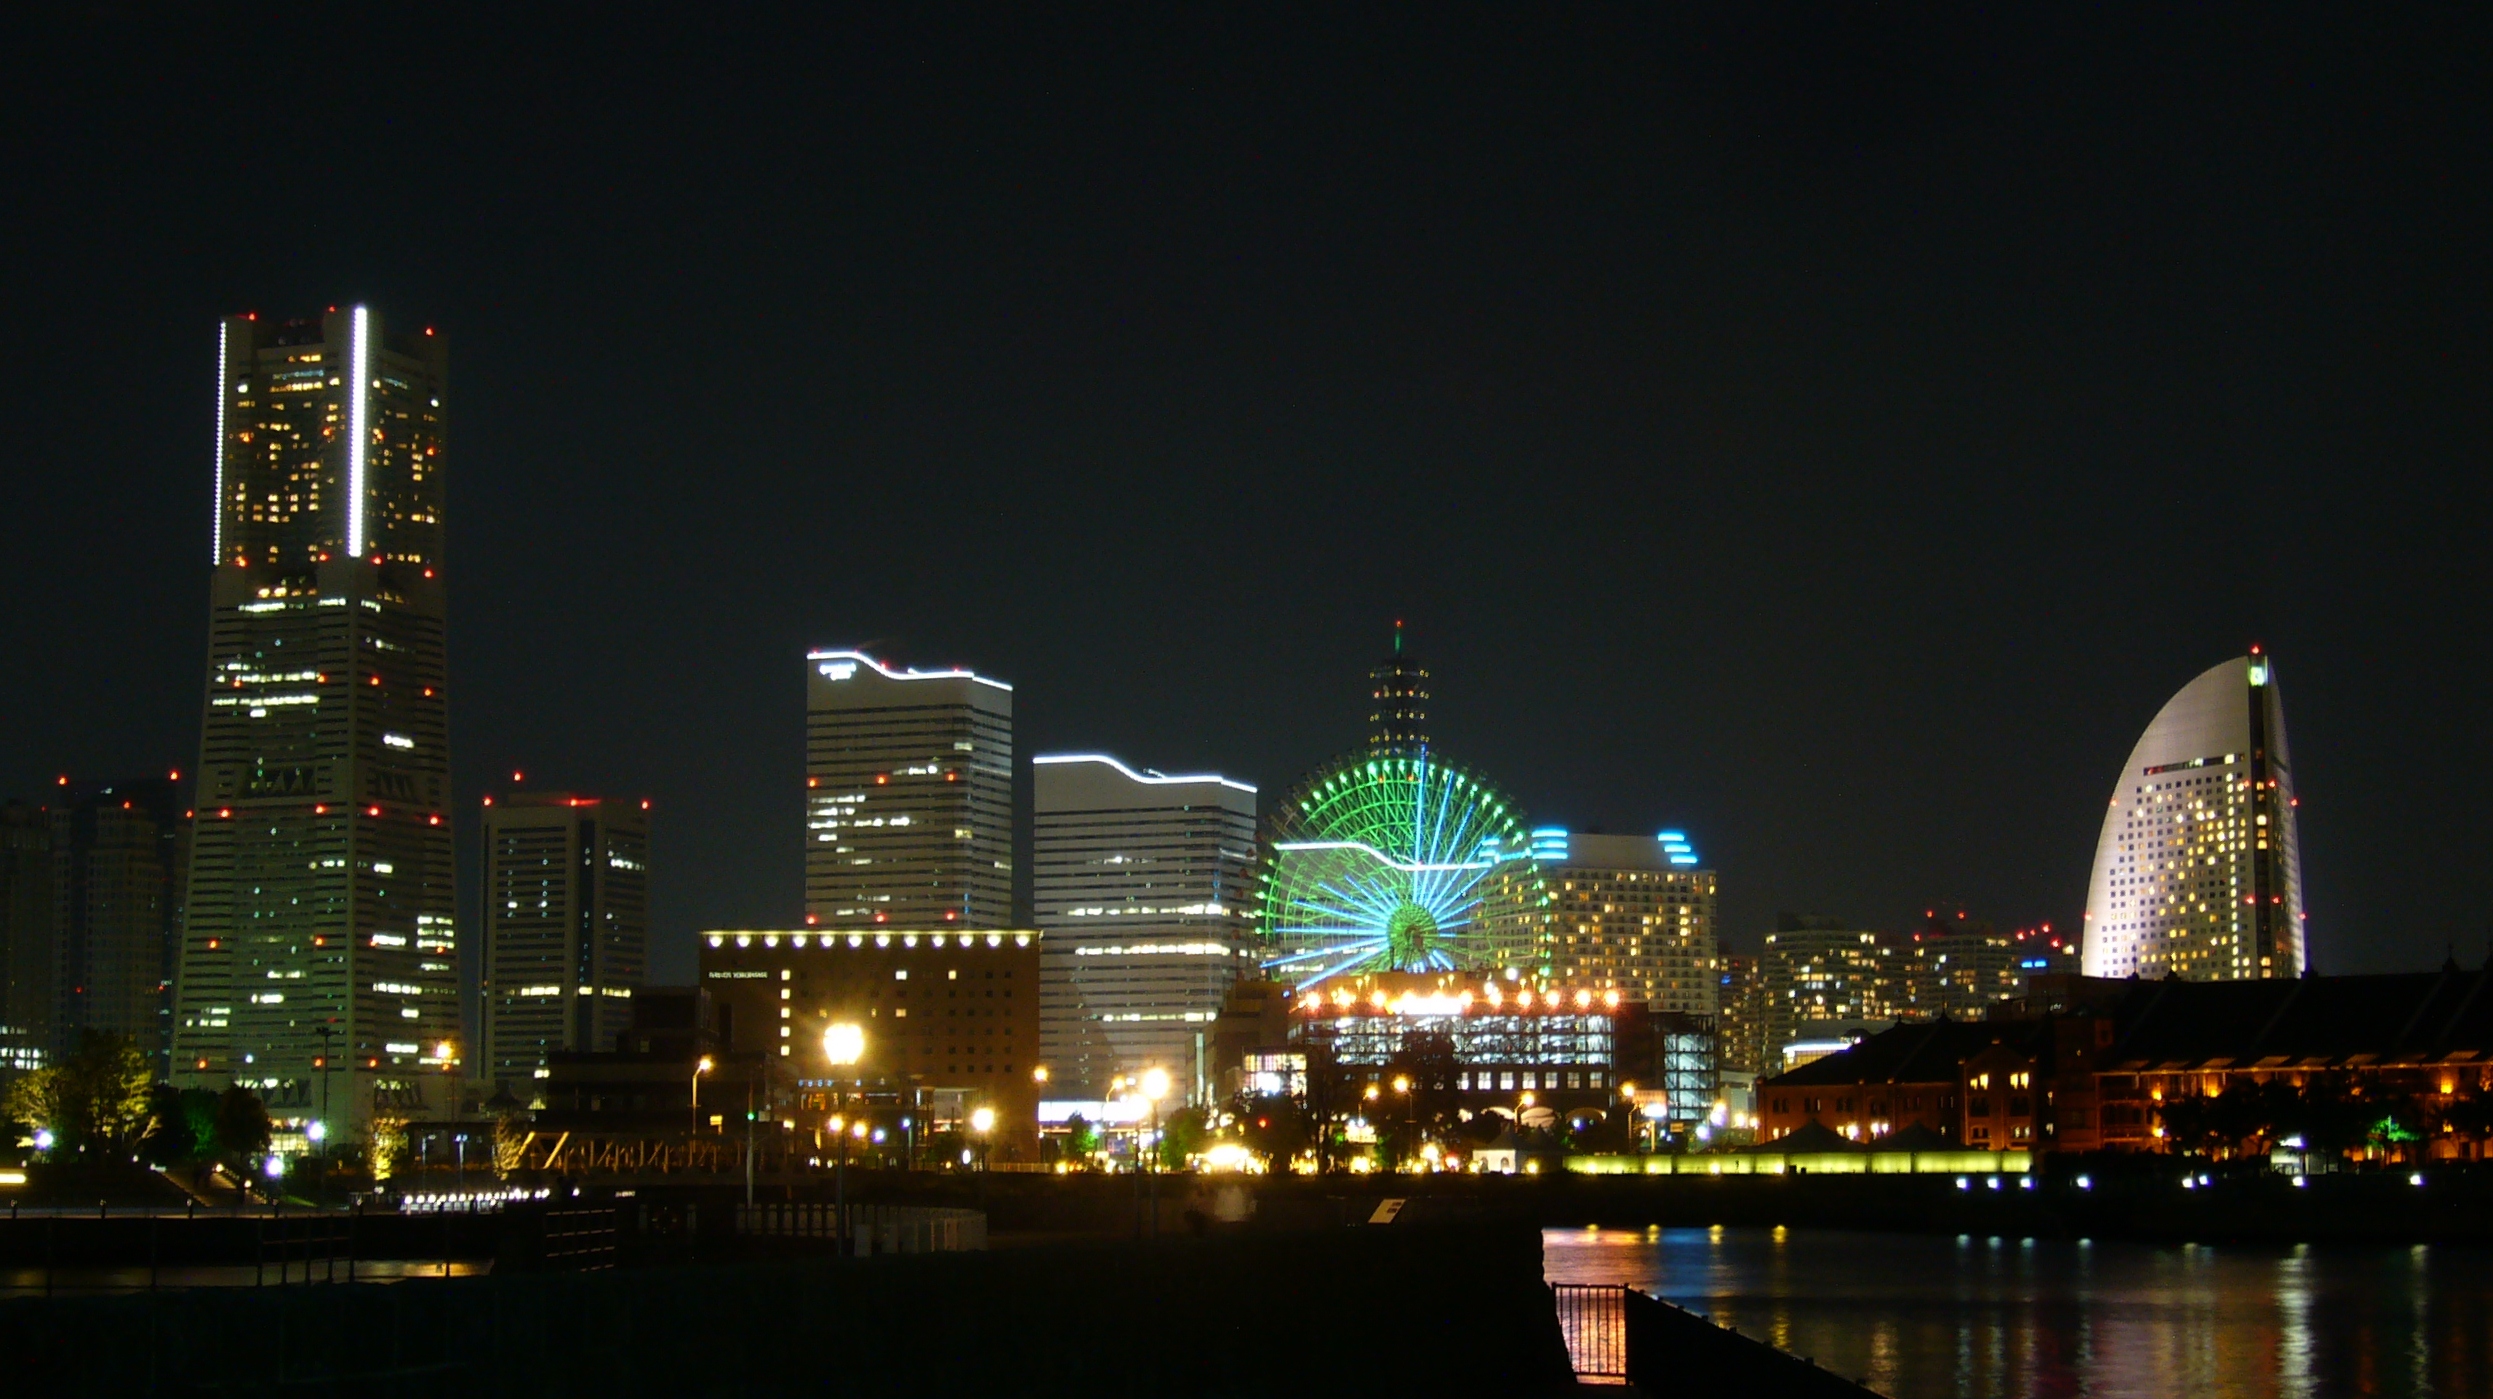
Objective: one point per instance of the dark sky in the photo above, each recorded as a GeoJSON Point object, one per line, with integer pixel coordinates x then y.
{"type": "Point", "coordinates": [1831, 430]}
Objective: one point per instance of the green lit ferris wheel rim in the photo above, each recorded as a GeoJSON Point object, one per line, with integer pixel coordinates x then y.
{"type": "Point", "coordinates": [1395, 862]}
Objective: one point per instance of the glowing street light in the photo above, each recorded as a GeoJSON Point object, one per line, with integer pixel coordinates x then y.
{"type": "Point", "coordinates": [982, 1122]}
{"type": "Point", "coordinates": [704, 1066]}
{"type": "Point", "coordinates": [843, 1044]}
{"type": "Point", "coordinates": [1153, 1086]}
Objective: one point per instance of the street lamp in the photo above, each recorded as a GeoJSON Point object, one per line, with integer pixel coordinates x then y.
{"type": "Point", "coordinates": [982, 1122]}
{"type": "Point", "coordinates": [1153, 1086]}
{"type": "Point", "coordinates": [1410, 1108]}
{"type": "Point", "coordinates": [699, 1069]}
{"type": "Point", "coordinates": [843, 1044]}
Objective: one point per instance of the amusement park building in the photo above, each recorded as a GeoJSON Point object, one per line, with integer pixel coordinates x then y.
{"type": "Point", "coordinates": [1143, 883]}
{"type": "Point", "coordinates": [2198, 872]}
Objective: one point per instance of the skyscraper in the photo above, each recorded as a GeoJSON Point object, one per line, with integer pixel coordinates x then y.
{"type": "Point", "coordinates": [1398, 703]}
{"type": "Point", "coordinates": [1955, 967]}
{"type": "Point", "coordinates": [319, 964]}
{"type": "Point", "coordinates": [1740, 1024]}
{"type": "Point", "coordinates": [1144, 887]}
{"type": "Point", "coordinates": [1821, 976]}
{"type": "Point", "coordinates": [566, 928]}
{"type": "Point", "coordinates": [118, 853]}
{"type": "Point", "coordinates": [25, 936]}
{"type": "Point", "coordinates": [1635, 914]}
{"type": "Point", "coordinates": [908, 796]}
{"type": "Point", "coordinates": [2198, 873]}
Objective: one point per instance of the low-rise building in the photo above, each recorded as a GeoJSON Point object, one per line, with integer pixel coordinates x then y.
{"type": "Point", "coordinates": [2082, 1064]}
{"type": "Point", "coordinates": [1534, 1055]}
{"type": "Point", "coordinates": [946, 1020]}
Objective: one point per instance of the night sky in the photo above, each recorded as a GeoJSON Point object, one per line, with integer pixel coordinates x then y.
{"type": "Point", "coordinates": [1833, 431]}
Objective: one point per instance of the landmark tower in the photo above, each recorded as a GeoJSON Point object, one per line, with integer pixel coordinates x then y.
{"type": "Point", "coordinates": [318, 961]}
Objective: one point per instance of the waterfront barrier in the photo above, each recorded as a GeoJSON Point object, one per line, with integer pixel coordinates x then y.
{"type": "Point", "coordinates": [1336, 1311]}
{"type": "Point", "coordinates": [877, 1229]}
{"type": "Point", "coordinates": [1618, 1335]}
{"type": "Point", "coordinates": [1819, 1163]}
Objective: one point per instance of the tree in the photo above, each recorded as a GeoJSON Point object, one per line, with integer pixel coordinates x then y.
{"type": "Point", "coordinates": [35, 1101]}
{"type": "Point", "coordinates": [242, 1126]}
{"type": "Point", "coordinates": [2397, 1122]}
{"type": "Point", "coordinates": [511, 1130]}
{"type": "Point", "coordinates": [388, 1151]}
{"type": "Point", "coordinates": [1182, 1134]}
{"type": "Point", "coordinates": [2328, 1121]}
{"type": "Point", "coordinates": [1273, 1126]}
{"type": "Point", "coordinates": [96, 1102]}
{"type": "Point", "coordinates": [182, 1131]}
{"type": "Point", "coordinates": [2470, 1117]}
{"type": "Point", "coordinates": [1332, 1095]}
{"type": "Point", "coordinates": [2190, 1125]}
{"type": "Point", "coordinates": [1426, 1104]}
{"type": "Point", "coordinates": [1081, 1141]}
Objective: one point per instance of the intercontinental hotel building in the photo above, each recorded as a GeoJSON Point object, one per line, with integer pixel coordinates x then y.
{"type": "Point", "coordinates": [2198, 873]}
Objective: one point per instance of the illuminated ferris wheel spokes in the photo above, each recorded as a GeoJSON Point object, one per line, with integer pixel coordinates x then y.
{"type": "Point", "coordinates": [1389, 864]}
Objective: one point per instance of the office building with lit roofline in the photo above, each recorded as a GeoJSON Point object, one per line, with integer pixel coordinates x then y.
{"type": "Point", "coordinates": [2198, 872]}
{"type": "Point", "coordinates": [908, 796]}
{"type": "Point", "coordinates": [318, 961]}
{"type": "Point", "coordinates": [1144, 885]}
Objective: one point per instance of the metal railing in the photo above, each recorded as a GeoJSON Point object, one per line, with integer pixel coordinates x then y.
{"type": "Point", "coordinates": [581, 1240]}
{"type": "Point", "coordinates": [870, 1229]}
{"type": "Point", "coordinates": [315, 1242]}
{"type": "Point", "coordinates": [1593, 1319]}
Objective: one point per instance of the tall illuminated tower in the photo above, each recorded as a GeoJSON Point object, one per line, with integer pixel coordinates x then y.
{"type": "Point", "coordinates": [566, 931]}
{"type": "Point", "coordinates": [908, 796]}
{"type": "Point", "coordinates": [1398, 703]}
{"type": "Point", "coordinates": [1144, 885]}
{"type": "Point", "coordinates": [318, 963]}
{"type": "Point", "coordinates": [2198, 873]}
{"type": "Point", "coordinates": [118, 852]}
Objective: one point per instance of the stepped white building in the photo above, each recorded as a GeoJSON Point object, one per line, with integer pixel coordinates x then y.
{"type": "Point", "coordinates": [1142, 884]}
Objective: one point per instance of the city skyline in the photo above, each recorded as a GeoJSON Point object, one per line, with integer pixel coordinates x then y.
{"type": "Point", "coordinates": [1724, 484]}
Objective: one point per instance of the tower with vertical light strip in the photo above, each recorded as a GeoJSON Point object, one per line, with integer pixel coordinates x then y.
{"type": "Point", "coordinates": [319, 961]}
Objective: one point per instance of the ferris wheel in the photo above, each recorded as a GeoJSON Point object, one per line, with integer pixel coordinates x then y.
{"type": "Point", "coordinates": [1396, 862]}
